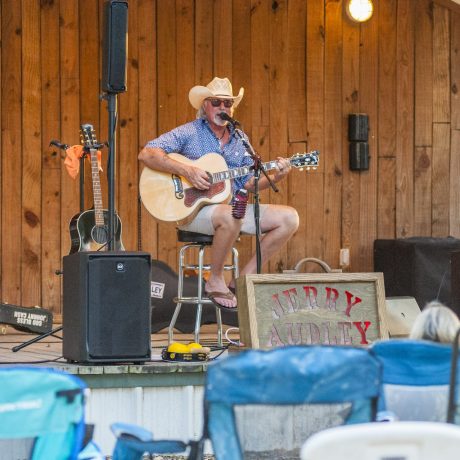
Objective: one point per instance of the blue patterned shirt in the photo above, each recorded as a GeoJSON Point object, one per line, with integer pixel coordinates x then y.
{"type": "Point", "coordinates": [196, 139]}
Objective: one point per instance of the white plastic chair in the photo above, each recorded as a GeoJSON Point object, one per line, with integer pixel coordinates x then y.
{"type": "Point", "coordinates": [384, 441]}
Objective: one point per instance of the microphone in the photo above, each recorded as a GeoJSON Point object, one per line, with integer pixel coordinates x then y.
{"type": "Point", "coordinates": [225, 116]}
{"type": "Point", "coordinates": [240, 201]}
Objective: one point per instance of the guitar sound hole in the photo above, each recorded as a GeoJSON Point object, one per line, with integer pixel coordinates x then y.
{"type": "Point", "coordinates": [99, 234]}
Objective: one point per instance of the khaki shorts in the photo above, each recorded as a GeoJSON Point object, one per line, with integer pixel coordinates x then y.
{"type": "Point", "coordinates": [203, 220]}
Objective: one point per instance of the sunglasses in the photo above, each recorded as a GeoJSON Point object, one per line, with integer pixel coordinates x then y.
{"type": "Point", "coordinates": [216, 102]}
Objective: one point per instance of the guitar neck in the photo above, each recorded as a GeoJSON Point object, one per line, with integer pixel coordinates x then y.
{"type": "Point", "coordinates": [222, 176]}
{"type": "Point", "coordinates": [97, 193]}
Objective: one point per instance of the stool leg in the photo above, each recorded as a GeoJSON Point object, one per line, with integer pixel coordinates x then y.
{"type": "Point", "coordinates": [219, 326]}
{"type": "Point", "coordinates": [199, 306]}
{"type": "Point", "coordinates": [180, 288]}
{"type": "Point", "coordinates": [236, 270]}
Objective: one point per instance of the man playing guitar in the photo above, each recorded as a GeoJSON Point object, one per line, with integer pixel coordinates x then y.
{"type": "Point", "coordinates": [211, 133]}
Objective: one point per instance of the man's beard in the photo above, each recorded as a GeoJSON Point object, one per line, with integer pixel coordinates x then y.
{"type": "Point", "coordinates": [218, 121]}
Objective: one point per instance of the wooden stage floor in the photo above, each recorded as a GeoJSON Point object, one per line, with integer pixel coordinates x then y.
{"type": "Point", "coordinates": [48, 351]}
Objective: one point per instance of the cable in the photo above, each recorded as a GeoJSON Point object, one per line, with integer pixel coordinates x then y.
{"type": "Point", "coordinates": [440, 284]}
{"type": "Point", "coordinates": [238, 344]}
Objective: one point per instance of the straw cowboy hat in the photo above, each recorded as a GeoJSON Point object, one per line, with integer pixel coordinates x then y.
{"type": "Point", "coordinates": [219, 87]}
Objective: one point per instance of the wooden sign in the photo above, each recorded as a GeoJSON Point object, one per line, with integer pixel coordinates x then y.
{"type": "Point", "coordinates": [313, 308]}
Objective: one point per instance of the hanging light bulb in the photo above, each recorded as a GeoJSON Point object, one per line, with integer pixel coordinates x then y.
{"type": "Point", "coordinates": [359, 10]}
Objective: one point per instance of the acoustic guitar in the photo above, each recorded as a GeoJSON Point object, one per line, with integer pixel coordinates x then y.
{"type": "Point", "coordinates": [171, 198]}
{"type": "Point", "coordinates": [89, 230]}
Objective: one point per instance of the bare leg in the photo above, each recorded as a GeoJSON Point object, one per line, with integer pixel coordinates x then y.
{"type": "Point", "coordinates": [279, 223]}
{"type": "Point", "coordinates": [227, 230]}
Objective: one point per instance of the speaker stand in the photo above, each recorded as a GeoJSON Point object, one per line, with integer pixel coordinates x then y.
{"type": "Point", "coordinates": [111, 162]}
{"type": "Point", "coordinates": [36, 339]}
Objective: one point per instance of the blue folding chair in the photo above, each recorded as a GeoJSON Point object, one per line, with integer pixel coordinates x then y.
{"type": "Point", "coordinates": [43, 408]}
{"type": "Point", "coordinates": [133, 442]}
{"type": "Point", "coordinates": [415, 379]}
{"type": "Point", "coordinates": [293, 389]}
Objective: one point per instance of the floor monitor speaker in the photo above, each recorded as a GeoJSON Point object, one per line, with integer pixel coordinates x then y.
{"type": "Point", "coordinates": [106, 308]}
{"type": "Point", "coordinates": [115, 44]}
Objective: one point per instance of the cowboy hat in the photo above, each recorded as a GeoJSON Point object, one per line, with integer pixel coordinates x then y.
{"type": "Point", "coordinates": [219, 87]}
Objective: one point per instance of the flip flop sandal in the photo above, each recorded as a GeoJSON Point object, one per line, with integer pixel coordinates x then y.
{"type": "Point", "coordinates": [221, 295]}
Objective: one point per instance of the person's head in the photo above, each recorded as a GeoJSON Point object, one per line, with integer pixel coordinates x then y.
{"type": "Point", "coordinates": [436, 323]}
{"type": "Point", "coordinates": [215, 98]}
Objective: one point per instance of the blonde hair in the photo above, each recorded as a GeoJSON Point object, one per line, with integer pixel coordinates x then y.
{"type": "Point", "coordinates": [201, 113]}
{"type": "Point", "coordinates": [436, 322]}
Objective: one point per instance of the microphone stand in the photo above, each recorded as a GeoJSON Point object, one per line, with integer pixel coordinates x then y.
{"type": "Point", "coordinates": [257, 167]}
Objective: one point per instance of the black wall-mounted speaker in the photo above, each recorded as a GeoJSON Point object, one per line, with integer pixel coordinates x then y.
{"type": "Point", "coordinates": [358, 127]}
{"type": "Point", "coordinates": [115, 45]}
{"type": "Point", "coordinates": [359, 156]}
{"type": "Point", "coordinates": [106, 307]}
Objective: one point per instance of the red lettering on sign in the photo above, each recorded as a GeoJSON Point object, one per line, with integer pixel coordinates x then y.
{"type": "Point", "coordinates": [362, 331]}
{"type": "Point", "coordinates": [293, 329]}
{"type": "Point", "coordinates": [344, 332]}
{"type": "Point", "coordinates": [350, 304]}
{"type": "Point", "coordinates": [277, 309]}
{"type": "Point", "coordinates": [274, 340]}
{"type": "Point", "coordinates": [312, 332]}
{"type": "Point", "coordinates": [312, 294]}
{"type": "Point", "coordinates": [331, 296]}
{"type": "Point", "coordinates": [293, 303]}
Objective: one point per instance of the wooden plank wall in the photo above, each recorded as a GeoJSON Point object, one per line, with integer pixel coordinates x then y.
{"type": "Point", "coordinates": [304, 65]}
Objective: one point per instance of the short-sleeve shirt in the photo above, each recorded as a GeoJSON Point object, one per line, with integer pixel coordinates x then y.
{"type": "Point", "coordinates": [196, 139]}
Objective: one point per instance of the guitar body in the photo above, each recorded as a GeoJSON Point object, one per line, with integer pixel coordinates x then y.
{"type": "Point", "coordinates": [87, 236]}
{"type": "Point", "coordinates": [172, 198]}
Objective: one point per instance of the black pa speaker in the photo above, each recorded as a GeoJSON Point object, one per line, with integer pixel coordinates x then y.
{"type": "Point", "coordinates": [106, 308]}
{"type": "Point", "coordinates": [115, 46]}
{"type": "Point", "coordinates": [358, 156]}
{"type": "Point", "coordinates": [358, 127]}
{"type": "Point", "coordinates": [421, 267]}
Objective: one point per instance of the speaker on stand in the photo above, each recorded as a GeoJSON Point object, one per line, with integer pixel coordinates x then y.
{"type": "Point", "coordinates": [106, 307]}
{"type": "Point", "coordinates": [114, 53]}
{"type": "Point", "coordinates": [115, 45]}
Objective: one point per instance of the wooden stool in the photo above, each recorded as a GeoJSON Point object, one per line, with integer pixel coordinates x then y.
{"type": "Point", "coordinates": [200, 242]}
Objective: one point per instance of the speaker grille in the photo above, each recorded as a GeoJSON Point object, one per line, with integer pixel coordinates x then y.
{"type": "Point", "coordinates": [118, 305]}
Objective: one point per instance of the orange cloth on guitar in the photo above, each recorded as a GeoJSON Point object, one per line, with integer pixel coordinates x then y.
{"type": "Point", "coordinates": [72, 160]}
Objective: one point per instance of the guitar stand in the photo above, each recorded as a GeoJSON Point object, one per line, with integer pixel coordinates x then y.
{"type": "Point", "coordinates": [36, 339]}
{"type": "Point", "coordinates": [59, 272]}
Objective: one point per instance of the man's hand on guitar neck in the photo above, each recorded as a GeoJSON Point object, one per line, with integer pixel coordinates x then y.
{"type": "Point", "coordinates": [283, 168]}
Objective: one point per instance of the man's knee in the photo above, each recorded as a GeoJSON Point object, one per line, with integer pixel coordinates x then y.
{"type": "Point", "coordinates": [224, 218]}
{"type": "Point", "coordinates": [291, 219]}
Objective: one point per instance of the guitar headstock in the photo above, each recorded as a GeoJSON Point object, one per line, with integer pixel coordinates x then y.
{"type": "Point", "coordinates": [88, 137]}
{"type": "Point", "coordinates": [306, 160]}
